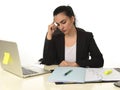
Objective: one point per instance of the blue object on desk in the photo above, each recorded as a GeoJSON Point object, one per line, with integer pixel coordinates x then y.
{"type": "Point", "coordinates": [60, 74]}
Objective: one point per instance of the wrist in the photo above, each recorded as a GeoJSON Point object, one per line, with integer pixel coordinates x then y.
{"type": "Point", "coordinates": [49, 36]}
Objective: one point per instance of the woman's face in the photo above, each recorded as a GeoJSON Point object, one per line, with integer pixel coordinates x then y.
{"type": "Point", "coordinates": [64, 23]}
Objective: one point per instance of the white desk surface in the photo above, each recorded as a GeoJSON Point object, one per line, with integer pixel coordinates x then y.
{"type": "Point", "coordinates": [9, 81]}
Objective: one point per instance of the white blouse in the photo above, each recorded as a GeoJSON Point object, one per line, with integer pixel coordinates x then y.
{"type": "Point", "coordinates": [70, 53]}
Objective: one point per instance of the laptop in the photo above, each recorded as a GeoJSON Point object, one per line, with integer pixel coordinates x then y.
{"type": "Point", "coordinates": [10, 61]}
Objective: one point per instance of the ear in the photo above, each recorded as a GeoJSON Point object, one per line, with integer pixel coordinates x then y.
{"type": "Point", "coordinates": [73, 19]}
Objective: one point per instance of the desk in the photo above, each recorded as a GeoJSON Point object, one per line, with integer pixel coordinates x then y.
{"type": "Point", "coordinates": [9, 81]}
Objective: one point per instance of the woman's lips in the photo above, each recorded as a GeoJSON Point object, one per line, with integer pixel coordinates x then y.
{"type": "Point", "coordinates": [63, 30]}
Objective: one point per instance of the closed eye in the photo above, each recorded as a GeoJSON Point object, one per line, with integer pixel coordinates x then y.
{"type": "Point", "coordinates": [62, 22]}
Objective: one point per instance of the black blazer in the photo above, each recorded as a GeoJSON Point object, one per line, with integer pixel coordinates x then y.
{"type": "Point", "coordinates": [87, 52]}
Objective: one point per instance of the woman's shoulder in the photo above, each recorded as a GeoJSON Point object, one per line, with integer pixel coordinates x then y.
{"type": "Point", "coordinates": [83, 32]}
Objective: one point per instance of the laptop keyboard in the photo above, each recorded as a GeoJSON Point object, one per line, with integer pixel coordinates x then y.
{"type": "Point", "coordinates": [27, 71]}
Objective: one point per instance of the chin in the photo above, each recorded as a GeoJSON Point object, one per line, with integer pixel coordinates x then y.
{"type": "Point", "coordinates": [65, 32]}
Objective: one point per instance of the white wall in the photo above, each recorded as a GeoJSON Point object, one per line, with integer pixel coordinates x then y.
{"type": "Point", "coordinates": [26, 22]}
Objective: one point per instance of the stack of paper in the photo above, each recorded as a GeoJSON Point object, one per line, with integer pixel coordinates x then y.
{"type": "Point", "coordinates": [82, 75]}
{"type": "Point", "coordinates": [77, 75]}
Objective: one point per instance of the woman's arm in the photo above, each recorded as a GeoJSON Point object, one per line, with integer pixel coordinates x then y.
{"type": "Point", "coordinates": [96, 59]}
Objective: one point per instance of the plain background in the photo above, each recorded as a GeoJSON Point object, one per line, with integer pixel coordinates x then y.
{"type": "Point", "coordinates": [26, 22]}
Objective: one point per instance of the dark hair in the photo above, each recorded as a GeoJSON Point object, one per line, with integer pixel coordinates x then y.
{"type": "Point", "coordinates": [67, 10]}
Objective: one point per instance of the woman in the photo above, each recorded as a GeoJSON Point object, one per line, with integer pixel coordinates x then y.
{"type": "Point", "coordinates": [68, 45]}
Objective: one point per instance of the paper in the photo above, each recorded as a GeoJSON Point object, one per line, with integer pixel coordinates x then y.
{"type": "Point", "coordinates": [77, 75]}
{"type": "Point", "coordinates": [113, 76]}
{"type": "Point", "coordinates": [82, 75]}
{"type": "Point", "coordinates": [93, 75]}
{"type": "Point", "coordinates": [98, 74]}
{"type": "Point", "coordinates": [7, 58]}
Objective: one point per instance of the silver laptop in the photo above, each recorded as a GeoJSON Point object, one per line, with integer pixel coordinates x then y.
{"type": "Point", "coordinates": [10, 61]}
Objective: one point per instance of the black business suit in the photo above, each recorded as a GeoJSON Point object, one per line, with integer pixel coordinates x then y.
{"type": "Point", "coordinates": [54, 50]}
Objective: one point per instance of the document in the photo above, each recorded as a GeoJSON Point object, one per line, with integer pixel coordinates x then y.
{"type": "Point", "coordinates": [101, 74]}
{"type": "Point", "coordinates": [59, 75]}
{"type": "Point", "coordinates": [83, 75]}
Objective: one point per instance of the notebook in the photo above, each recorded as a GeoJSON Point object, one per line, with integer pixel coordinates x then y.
{"type": "Point", "coordinates": [10, 61]}
{"type": "Point", "coordinates": [83, 75]}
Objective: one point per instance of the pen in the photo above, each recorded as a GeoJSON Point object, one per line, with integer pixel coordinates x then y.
{"type": "Point", "coordinates": [68, 72]}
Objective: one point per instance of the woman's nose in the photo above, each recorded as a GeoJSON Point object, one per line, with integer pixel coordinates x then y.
{"type": "Point", "coordinates": [61, 27]}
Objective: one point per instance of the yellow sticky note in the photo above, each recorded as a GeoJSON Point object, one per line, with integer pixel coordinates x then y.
{"type": "Point", "coordinates": [107, 72]}
{"type": "Point", "coordinates": [6, 58]}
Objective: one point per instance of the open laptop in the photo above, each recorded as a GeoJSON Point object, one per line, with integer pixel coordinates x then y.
{"type": "Point", "coordinates": [10, 61]}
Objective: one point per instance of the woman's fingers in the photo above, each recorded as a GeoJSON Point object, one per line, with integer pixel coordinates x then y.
{"type": "Point", "coordinates": [51, 28]}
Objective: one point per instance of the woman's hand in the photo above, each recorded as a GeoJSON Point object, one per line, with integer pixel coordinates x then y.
{"type": "Point", "coordinates": [51, 28]}
{"type": "Point", "coordinates": [66, 63]}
